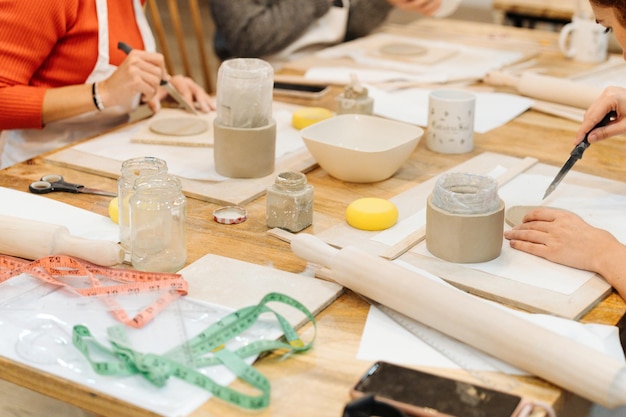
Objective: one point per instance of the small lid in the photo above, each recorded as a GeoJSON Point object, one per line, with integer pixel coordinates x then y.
{"type": "Point", "coordinates": [230, 215]}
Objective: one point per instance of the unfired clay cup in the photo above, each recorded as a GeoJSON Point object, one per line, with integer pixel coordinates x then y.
{"type": "Point", "coordinates": [244, 152]}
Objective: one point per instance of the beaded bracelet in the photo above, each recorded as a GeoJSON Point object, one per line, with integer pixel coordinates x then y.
{"type": "Point", "coordinates": [97, 100]}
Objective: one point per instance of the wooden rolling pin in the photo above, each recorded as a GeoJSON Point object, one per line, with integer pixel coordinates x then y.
{"type": "Point", "coordinates": [31, 239]}
{"type": "Point", "coordinates": [556, 358]}
{"type": "Point", "coordinates": [546, 88]}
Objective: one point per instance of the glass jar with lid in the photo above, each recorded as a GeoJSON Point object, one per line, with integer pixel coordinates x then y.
{"type": "Point", "coordinates": [158, 224]}
{"type": "Point", "coordinates": [290, 202]}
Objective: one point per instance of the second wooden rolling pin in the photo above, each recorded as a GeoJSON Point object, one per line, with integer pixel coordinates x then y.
{"type": "Point", "coordinates": [547, 88]}
{"type": "Point", "coordinates": [556, 358]}
{"type": "Point", "coordinates": [31, 239]}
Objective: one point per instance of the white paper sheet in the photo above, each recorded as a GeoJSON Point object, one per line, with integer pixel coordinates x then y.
{"type": "Point", "coordinates": [81, 223]}
{"type": "Point", "coordinates": [385, 339]}
{"type": "Point", "coordinates": [411, 106]}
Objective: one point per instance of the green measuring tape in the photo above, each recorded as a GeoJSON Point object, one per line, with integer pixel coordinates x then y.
{"type": "Point", "coordinates": [208, 348]}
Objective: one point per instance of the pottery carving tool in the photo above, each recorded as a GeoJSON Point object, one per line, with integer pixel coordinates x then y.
{"type": "Point", "coordinates": [576, 154]}
{"type": "Point", "coordinates": [171, 90]}
{"type": "Point", "coordinates": [485, 326]}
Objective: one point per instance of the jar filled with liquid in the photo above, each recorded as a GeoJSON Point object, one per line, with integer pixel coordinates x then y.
{"type": "Point", "coordinates": [130, 171]}
{"type": "Point", "coordinates": [290, 202]}
{"type": "Point", "coordinates": [157, 224]}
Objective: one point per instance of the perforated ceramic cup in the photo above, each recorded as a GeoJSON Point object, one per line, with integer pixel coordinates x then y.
{"type": "Point", "coordinates": [450, 127]}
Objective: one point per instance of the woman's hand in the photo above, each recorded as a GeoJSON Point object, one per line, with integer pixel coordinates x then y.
{"type": "Point", "coordinates": [563, 237]}
{"type": "Point", "coordinates": [192, 92]}
{"type": "Point", "coordinates": [140, 73]}
{"type": "Point", "coordinates": [612, 98]}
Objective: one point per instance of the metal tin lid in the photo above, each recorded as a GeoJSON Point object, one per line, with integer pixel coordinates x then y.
{"type": "Point", "coordinates": [230, 215]}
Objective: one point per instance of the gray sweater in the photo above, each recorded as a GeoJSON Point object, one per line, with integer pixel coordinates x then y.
{"type": "Point", "coordinates": [256, 28]}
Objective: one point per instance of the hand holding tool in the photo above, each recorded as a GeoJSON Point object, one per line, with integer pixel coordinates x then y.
{"type": "Point", "coordinates": [577, 153]}
{"type": "Point", "coordinates": [171, 90]}
{"type": "Point", "coordinates": [54, 182]}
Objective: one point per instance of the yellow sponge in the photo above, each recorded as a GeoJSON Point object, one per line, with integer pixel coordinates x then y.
{"type": "Point", "coordinates": [371, 214]}
{"type": "Point", "coordinates": [306, 116]}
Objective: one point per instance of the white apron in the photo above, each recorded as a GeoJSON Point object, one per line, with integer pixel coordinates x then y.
{"type": "Point", "coordinates": [21, 144]}
{"type": "Point", "coordinates": [329, 29]}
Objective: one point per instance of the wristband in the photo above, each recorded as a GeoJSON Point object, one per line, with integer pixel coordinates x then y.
{"type": "Point", "coordinates": [97, 100]}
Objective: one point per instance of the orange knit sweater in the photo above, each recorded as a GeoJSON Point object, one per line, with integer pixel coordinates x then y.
{"type": "Point", "coordinates": [53, 43]}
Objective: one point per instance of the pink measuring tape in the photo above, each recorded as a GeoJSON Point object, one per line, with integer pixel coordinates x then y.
{"type": "Point", "coordinates": [101, 281]}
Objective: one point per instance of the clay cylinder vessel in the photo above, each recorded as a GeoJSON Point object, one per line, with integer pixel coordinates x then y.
{"type": "Point", "coordinates": [465, 226]}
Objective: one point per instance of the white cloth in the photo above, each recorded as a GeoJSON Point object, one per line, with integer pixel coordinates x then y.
{"type": "Point", "coordinates": [329, 29]}
{"type": "Point", "coordinates": [21, 144]}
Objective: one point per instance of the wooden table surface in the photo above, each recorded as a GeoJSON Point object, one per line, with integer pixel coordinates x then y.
{"type": "Point", "coordinates": [318, 382]}
{"type": "Point", "coordinates": [558, 10]}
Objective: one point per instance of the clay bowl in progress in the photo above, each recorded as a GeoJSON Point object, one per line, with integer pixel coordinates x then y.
{"type": "Point", "coordinates": [361, 148]}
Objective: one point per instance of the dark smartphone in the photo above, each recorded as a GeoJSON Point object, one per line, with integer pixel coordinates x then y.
{"type": "Point", "coordinates": [422, 394]}
{"type": "Point", "coordinates": [303, 90]}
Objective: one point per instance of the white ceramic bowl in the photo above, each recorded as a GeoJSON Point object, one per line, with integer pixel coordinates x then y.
{"type": "Point", "coordinates": [361, 148]}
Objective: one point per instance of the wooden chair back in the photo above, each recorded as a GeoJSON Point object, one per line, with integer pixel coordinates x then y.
{"type": "Point", "coordinates": [177, 28]}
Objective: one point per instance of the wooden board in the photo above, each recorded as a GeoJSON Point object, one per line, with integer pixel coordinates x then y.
{"type": "Point", "coordinates": [236, 284]}
{"type": "Point", "coordinates": [412, 201]}
{"type": "Point", "coordinates": [525, 296]}
{"type": "Point", "coordinates": [231, 191]}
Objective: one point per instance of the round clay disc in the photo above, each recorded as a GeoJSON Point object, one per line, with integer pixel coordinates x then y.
{"type": "Point", "coordinates": [180, 126]}
{"type": "Point", "coordinates": [403, 49]}
{"type": "Point", "coordinates": [515, 214]}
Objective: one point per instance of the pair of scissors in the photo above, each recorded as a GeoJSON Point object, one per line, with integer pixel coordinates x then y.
{"type": "Point", "coordinates": [577, 153]}
{"type": "Point", "coordinates": [54, 182]}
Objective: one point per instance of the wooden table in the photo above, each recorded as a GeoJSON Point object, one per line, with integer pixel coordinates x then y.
{"type": "Point", "coordinates": [318, 382]}
{"type": "Point", "coordinates": [526, 13]}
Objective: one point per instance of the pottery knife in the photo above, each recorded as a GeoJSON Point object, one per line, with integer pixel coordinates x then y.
{"type": "Point", "coordinates": [576, 154]}
{"type": "Point", "coordinates": [171, 90]}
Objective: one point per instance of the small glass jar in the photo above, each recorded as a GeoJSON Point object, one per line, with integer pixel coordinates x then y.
{"type": "Point", "coordinates": [131, 170]}
{"type": "Point", "coordinates": [355, 99]}
{"type": "Point", "coordinates": [157, 224]}
{"type": "Point", "coordinates": [290, 202]}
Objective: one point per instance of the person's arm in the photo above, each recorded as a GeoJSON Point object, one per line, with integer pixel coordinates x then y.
{"type": "Point", "coordinates": [256, 28]}
{"type": "Point", "coordinates": [29, 32]}
{"type": "Point", "coordinates": [563, 237]}
{"type": "Point", "coordinates": [139, 73]}
{"type": "Point", "coordinates": [365, 16]}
